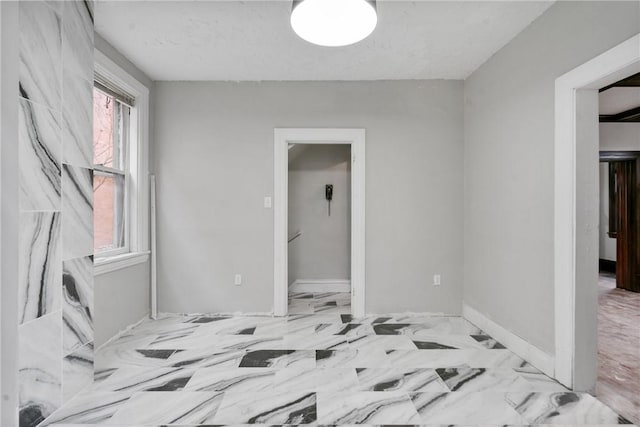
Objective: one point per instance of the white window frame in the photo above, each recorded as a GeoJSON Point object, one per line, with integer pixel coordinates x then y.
{"type": "Point", "coordinates": [137, 186]}
{"type": "Point", "coordinates": [125, 173]}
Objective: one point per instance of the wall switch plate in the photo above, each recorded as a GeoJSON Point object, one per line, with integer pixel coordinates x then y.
{"type": "Point", "coordinates": [436, 280]}
{"type": "Point", "coordinates": [237, 280]}
{"type": "Point", "coordinates": [267, 202]}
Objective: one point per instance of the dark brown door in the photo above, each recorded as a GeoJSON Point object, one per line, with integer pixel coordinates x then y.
{"type": "Point", "coordinates": [625, 221]}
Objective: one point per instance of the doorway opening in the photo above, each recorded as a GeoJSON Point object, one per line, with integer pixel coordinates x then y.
{"type": "Point", "coordinates": [322, 238]}
{"type": "Point", "coordinates": [577, 214]}
{"type": "Point", "coordinates": [319, 222]}
{"type": "Point", "coordinates": [618, 380]}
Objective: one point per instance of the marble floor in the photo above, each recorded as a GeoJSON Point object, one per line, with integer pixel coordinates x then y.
{"type": "Point", "coordinates": [320, 368]}
{"type": "Point", "coordinates": [619, 348]}
{"type": "Point", "coordinates": [325, 302]}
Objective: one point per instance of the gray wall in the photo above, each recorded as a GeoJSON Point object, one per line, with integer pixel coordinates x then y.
{"type": "Point", "coordinates": [607, 244]}
{"type": "Point", "coordinates": [509, 161]}
{"type": "Point", "coordinates": [122, 296]}
{"type": "Point", "coordinates": [214, 161]}
{"type": "Point", "coordinates": [323, 251]}
{"type": "Point", "coordinates": [620, 136]}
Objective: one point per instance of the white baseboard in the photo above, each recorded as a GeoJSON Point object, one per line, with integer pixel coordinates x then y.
{"type": "Point", "coordinates": [538, 358]}
{"type": "Point", "coordinates": [330, 285]}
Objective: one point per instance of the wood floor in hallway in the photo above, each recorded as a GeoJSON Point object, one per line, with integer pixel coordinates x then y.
{"type": "Point", "coordinates": [619, 349]}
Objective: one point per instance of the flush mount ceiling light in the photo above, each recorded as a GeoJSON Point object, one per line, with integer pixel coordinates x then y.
{"type": "Point", "coordinates": [333, 22]}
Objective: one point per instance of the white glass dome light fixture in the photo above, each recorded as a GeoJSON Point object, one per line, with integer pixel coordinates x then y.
{"type": "Point", "coordinates": [333, 23]}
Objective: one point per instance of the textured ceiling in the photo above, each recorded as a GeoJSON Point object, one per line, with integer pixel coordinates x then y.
{"type": "Point", "coordinates": [252, 40]}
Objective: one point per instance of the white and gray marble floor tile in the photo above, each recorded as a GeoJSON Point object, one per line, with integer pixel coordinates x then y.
{"type": "Point", "coordinates": [485, 358]}
{"type": "Point", "coordinates": [301, 307]}
{"type": "Point", "coordinates": [134, 358]}
{"type": "Point", "coordinates": [400, 379]}
{"type": "Point", "coordinates": [314, 342]}
{"type": "Point", "coordinates": [445, 342]}
{"type": "Point", "coordinates": [301, 295]}
{"type": "Point", "coordinates": [481, 379]}
{"type": "Point", "coordinates": [453, 358]}
{"type": "Point", "coordinates": [488, 342]}
{"type": "Point", "coordinates": [316, 380]}
{"type": "Point", "coordinates": [134, 379]}
{"type": "Point", "coordinates": [285, 328]}
{"type": "Point", "coordinates": [184, 408]}
{"type": "Point", "coordinates": [232, 379]}
{"type": "Point", "coordinates": [77, 371]}
{"type": "Point", "coordinates": [202, 339]}
{"type": "Point", "coordinates": [352, 358]}
{"type": "Point", "coordinates": [267, 408]}
{"type": "Point", "coordinates": [205, 357]}
{"type": "Point", "coordinates": [349, 330]}
{"type": "Point", "coordinates": [385, 342]}
{"type": "Point", "coordinates": [332, 307]}
{"type": "Point", "coordinates": [429, 359]}
{"type": "Point", "coordinates": [366, 408]}
{"type": "Point", "coordinates": [367, 320]}
{"type": "Point", "coordinates": [121, 352]}
{"type": "Point", "coordinates": [40, 150]}
{"type": "Point", "coordinates": [280, 373]}
{"type": "Point", "coordinates": [439, 326]}
{"type": "Point", "coordinates": [314, 319]}
{"type": "Point", "coordinates": [88, 408]}
{"type": "Point", "coordinates": [304, 359]}
{"type": "Point", "coordinates": [553, 408]}
{"type": "Point", "coordinates": [463, 408]}
{"type": "Point", "coordinates": [170, 333]}
{"type": "Point", "coordinates": [234, 325]}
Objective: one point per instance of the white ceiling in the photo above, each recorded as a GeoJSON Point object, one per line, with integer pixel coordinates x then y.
{"type": "Point", "coordinates": [252, 40]}
{"type": "Point", "coordinates": [619, 99]}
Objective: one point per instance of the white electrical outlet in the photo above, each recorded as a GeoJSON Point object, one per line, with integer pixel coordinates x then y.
{"type": "Point", "coordinates": [436, 280]}
{"type": "Point", "coordinates": [267, 202]}
{"type": "Point", "coordinates": [237, 280]}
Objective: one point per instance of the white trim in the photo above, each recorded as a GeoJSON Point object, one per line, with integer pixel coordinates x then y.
{"type": "Point", "coordinates": [616, 63]}
{"type": "Point", "coordinates": [538, 358]}
{"type": "Point", "coordinates": [327, 285]}
{"type": "Point", "coordinates": [138, 203]}
{"type": "Point", "coordinates": [118, 262]}
{"type": "Point", "coordinates": [154, 254]}
{"type": "Point", "coordinates": [282, 139]}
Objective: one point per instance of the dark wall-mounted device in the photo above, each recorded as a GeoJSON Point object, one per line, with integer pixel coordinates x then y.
{"type": "Point", "coordinates": [328, 194]}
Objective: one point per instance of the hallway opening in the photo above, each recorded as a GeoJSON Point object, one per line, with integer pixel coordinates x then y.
{"type": "Point", "coordinates": [319, 228]}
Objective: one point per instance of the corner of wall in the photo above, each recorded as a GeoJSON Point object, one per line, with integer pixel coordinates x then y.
{"type": "Point", "coordinates": [538, 358]}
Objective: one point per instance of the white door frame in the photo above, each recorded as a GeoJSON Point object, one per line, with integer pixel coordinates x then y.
{"type": "Point", "coordinates": [572, 338]}
{"type": "Point", "coordinates": [282, 138]}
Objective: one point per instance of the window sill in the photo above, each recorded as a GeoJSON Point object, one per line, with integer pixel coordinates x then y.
{"type": "Point", "coordinates": [118, 262]}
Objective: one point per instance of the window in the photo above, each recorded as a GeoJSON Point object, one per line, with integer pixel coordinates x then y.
{"type": "Point", "coordinates": [110, 173]}
{"type": "Point", "coordinates": [120, 159]}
